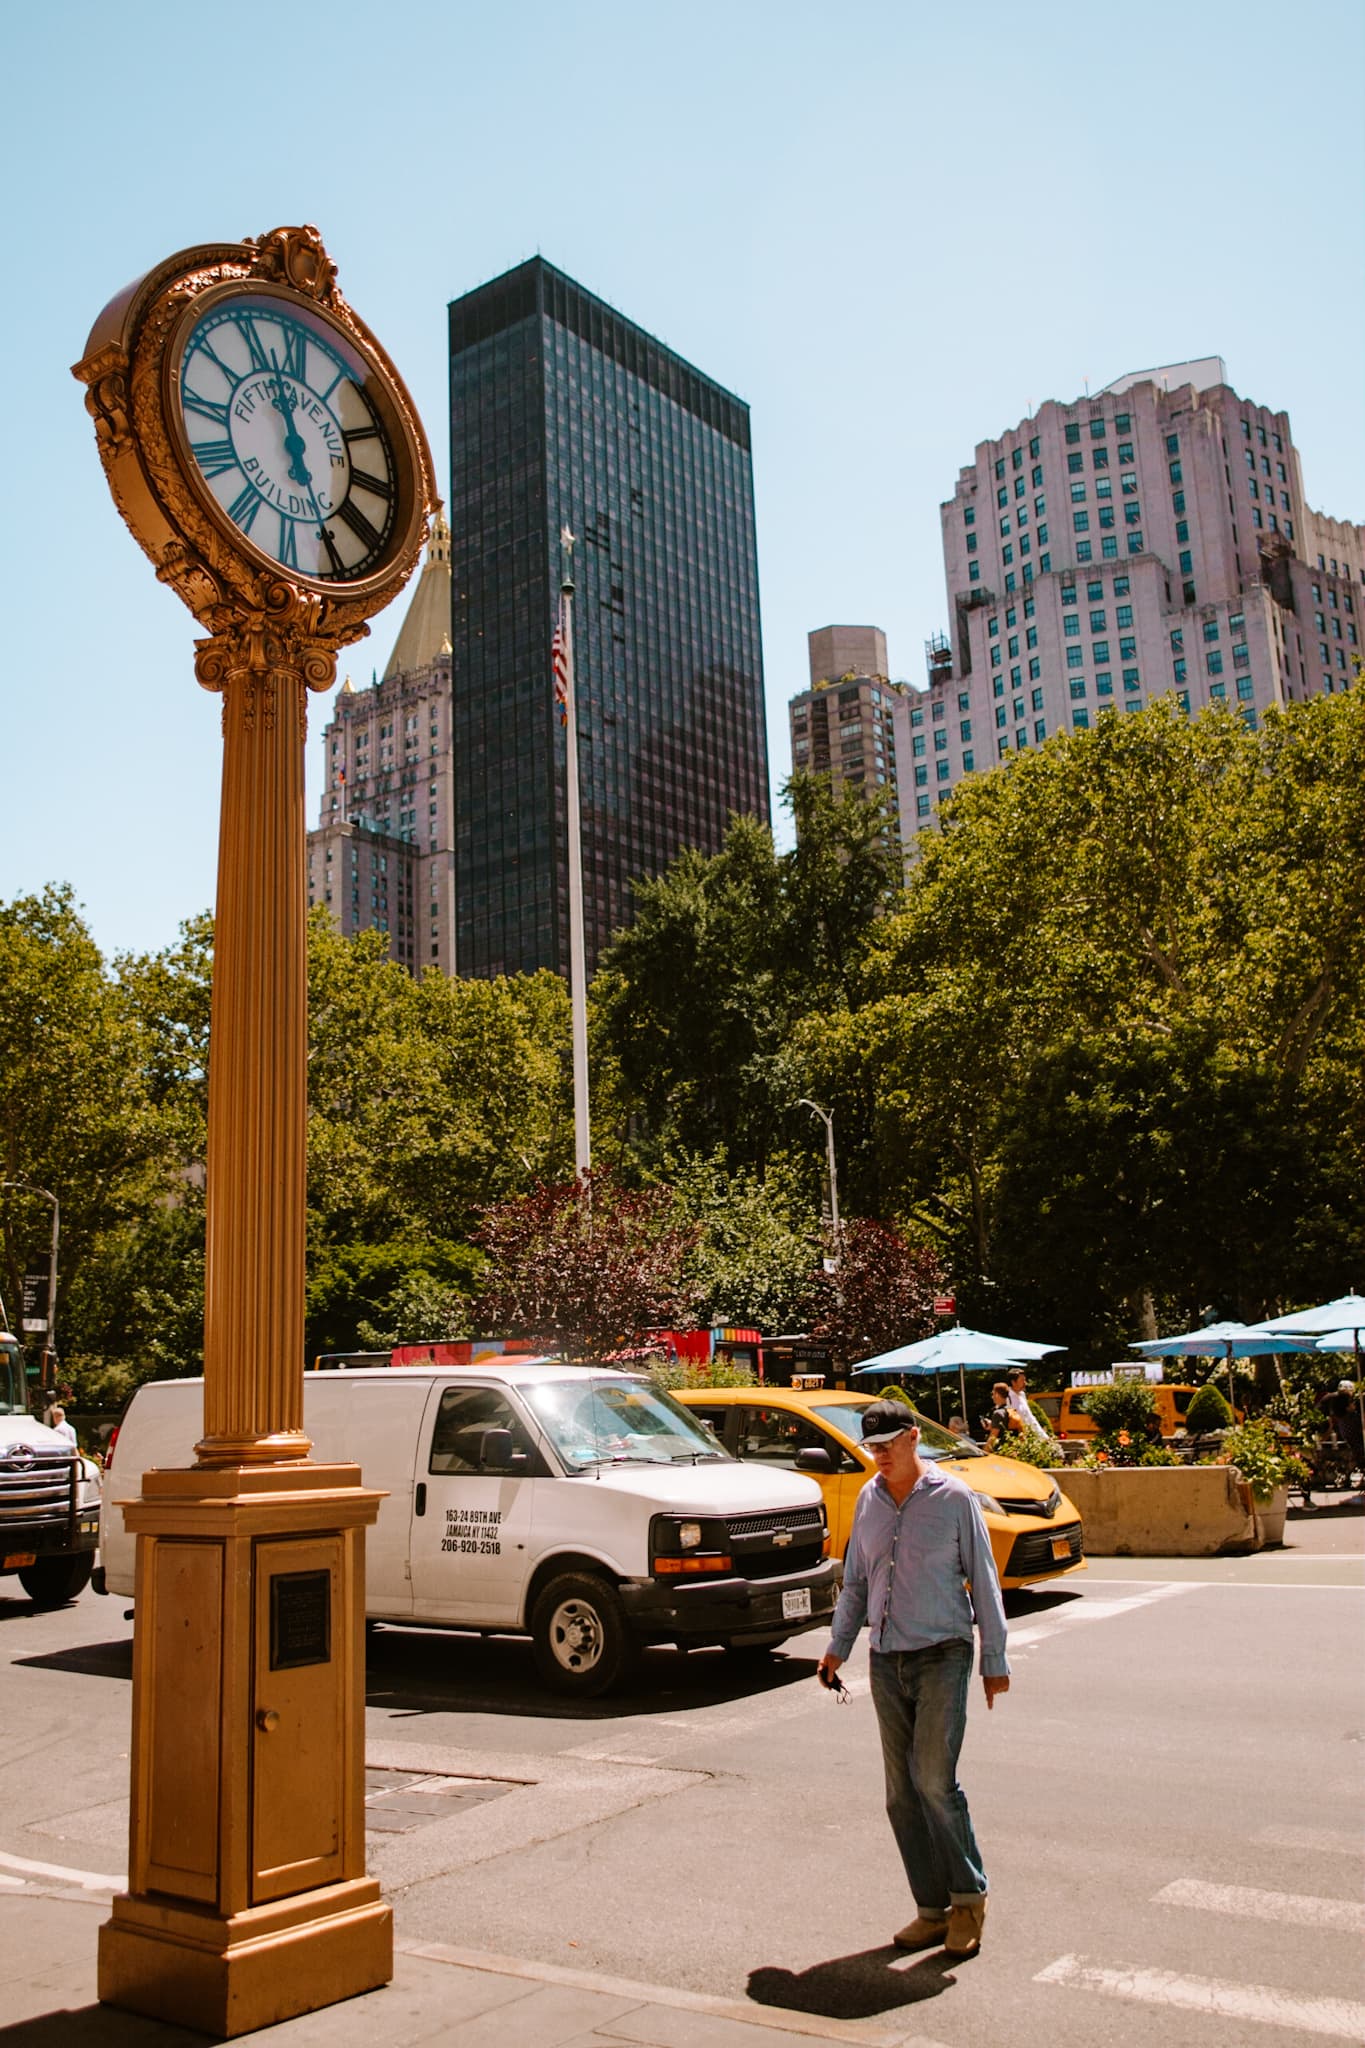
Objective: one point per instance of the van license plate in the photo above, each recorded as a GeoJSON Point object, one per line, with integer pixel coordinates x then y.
{"type": "Point", "coordinates": [20, 1560]}
{"type": "Point", "coordinates": [796, 1603]}
{"type": "Point", "coordinates": [1061, 1546]}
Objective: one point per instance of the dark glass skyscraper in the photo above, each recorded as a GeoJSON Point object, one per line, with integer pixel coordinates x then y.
{"type": "Point", "coordinates": [565, 415]}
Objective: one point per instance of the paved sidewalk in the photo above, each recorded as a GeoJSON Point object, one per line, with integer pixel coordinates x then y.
{"type": "Point", "coordinates": [438, 1995]}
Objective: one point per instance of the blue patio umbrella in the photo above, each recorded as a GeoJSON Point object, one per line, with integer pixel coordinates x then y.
{"type": "Point", "coordinates": [1232, 1340]}
{"type": "Point", "coordinates": [1336, 1325]}
{"type": "Point", "coordinates": [956, 1348]}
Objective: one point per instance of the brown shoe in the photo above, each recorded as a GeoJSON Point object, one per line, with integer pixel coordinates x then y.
{"type": "Point", "coordinates": [926, 1930]}
{"type": "Point", "coordinates": [965, 1918]}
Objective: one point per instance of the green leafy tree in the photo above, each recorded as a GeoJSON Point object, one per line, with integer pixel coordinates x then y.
{"type": "Point", "coordinates": [757, 1244]}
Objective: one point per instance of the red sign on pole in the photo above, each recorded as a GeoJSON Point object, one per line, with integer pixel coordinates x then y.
{"type": "Point", "coordinates": [945, 1304]}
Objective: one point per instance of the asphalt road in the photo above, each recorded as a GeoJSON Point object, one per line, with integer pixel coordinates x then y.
{"type": "Point", "coordinates": [1169, 1801]}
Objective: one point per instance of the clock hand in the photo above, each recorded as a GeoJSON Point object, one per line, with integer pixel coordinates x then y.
{"type": "Point", "coordinates": [295, 447]}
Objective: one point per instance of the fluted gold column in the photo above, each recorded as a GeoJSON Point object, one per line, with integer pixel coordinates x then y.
{"type": "Point", "coordinates": [257, 1118]}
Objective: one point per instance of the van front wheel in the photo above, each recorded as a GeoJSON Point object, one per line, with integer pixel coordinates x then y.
{"type": "Point", "coordinates": [582, 1641]}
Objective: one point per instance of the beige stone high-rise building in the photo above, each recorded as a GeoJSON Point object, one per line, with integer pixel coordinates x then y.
{"type": "Point", "coordinates": [381, 857]}
{"type": "Point", "coordinates": [1153, 538]}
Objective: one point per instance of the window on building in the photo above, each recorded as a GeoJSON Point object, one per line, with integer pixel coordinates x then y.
{"type": "Point", "coordinates": [1068, 593]}
{"type": "Point", "coordinates": [1075, 657]}
{"type": "Point", "coordinates": [1075, 463]}
{"type": "Point", "coordinates": [997, 686]}
{"type": "Point", "coordinates": [1007, 553]}
{"type": "Point", "coordinates": [964, 700]}
{"type": "Point", "coordinates": [1078, 492]}
{"type": "Point", "coordinates": [965, 729]}
{"type": "Point", "coordinates": [1078, 686]}
{"type": "Point", "coordinates": [1084, 551]}
{"type": "Point", "coordinates": [1128, 649]}
{"type": "Point", "coordinates": [917, 744]}
{"type": "Point", "coordinates": [1071, 625]}
{"type": "Point", "coordinates": [1131, 679]}
{"type": "Point", "coordinates": [1099, 458]}
{"type": "Point", "coordinates": [1104, 487]}
{"type": "Point", "coordinates": [1036, 699]}
{"type": "Point", "coordinates": [921, 776]}
{"type": "Point", "coordinates": [1099, 650]}
{"type": "Point", "coordinates": [968, 764]}
{"type": "Point", "coordinates": [1035, 668]}
{"type": "Point", "coordinates": [1072, 430]}
{"type": "Point", "coordinates": [1000, 714]}
{"type": "Point", "coordinates": [922, 806]}
{"type": "Point", "coordinates": [940, 742]}
{"type": "Point", "coordinates": [1104, 683]}
{"type": "Point", "coordinates": [1125, 452]}
{"type": "Point", "coordinates": [1010, 580]}
{"type": "Point", "coordinates": [1081, 720]}
{"type": "Point", "coordinates": [1036, 478]}
{"type": "Point", "coordinates": [1186, 562]}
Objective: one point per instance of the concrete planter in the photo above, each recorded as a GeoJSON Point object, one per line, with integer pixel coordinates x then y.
{"type": "Point", "coordinates": [1165, 1510]}
{"type": "Point", "coordinates": [1270, 1516]}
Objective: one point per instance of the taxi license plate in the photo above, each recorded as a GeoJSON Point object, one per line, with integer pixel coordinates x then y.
{"type": "Point", "coordinates": [20, 1560]}
{"type": "Point", "coordinates": [1061, 1546]}
{"type": "Point", "coordinates": [796, 1603]}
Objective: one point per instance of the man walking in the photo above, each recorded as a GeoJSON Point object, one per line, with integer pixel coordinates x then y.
{"type": "Point", "coordinates": [1018, 1403]}
{"type": "Point", "coordinates": [918, 1537]}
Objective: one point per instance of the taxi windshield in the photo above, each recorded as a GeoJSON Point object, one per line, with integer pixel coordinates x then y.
{"type": "Point", "coordinates": [608, 1421]}
{"type": "Point", "coordinates": [934, 1440]}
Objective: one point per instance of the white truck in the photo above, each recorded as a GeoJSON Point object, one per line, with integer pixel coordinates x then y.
{"type": "Point", "coordinates": [49, 1496]}
{"type": "Point", "coordinates": [583, 1508]}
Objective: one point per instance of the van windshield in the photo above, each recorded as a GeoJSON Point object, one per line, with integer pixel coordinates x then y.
{"type": "Point", "coordinates": [606, 1422]}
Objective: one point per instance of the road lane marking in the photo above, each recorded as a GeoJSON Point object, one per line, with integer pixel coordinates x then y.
{"type": "Point", "coordinates": [1243, 1902]}
{"type": "Point", "coordinates": [1354, 1585]}
{"type": "Point", "coordinates": [1333, 1841]}
{"type": "Point", "coordinates": [1085, 1609]}
{"type": "Point", "coordinates": [84, 1880]}
{"type": "Point", "coordinates": [1262, 2003]}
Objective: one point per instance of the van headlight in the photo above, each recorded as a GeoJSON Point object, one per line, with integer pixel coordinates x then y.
{"type": "Point", "coordinates": [678, 1545]}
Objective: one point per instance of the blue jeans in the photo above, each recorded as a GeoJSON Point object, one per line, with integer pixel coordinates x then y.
{"type": "Point", "coordinates": [921, 1702]}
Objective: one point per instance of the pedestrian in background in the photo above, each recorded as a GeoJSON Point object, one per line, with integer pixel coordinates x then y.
{"type": "Point", "coordinates": [918, 1537]}
{"type": "Point", "coordinates": [1018, 1403]}
{"type": "Point", "coordinates": [57, 1422]}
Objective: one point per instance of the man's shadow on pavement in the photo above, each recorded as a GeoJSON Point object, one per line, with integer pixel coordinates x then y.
{"type": "Point", "coordinates": [855, 1987]}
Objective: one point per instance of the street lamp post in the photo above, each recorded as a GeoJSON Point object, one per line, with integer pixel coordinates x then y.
{"type": "Point", "coordinates": [49, 1347]}
{"type": "Point", "coordinates": [826, 1117]}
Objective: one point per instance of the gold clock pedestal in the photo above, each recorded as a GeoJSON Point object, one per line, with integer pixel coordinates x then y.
{"type": "Point", "coordinates": [248, 1901]}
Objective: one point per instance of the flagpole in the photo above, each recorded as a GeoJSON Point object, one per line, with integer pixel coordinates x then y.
{"type": "Point", "coordinates": [578, 987]}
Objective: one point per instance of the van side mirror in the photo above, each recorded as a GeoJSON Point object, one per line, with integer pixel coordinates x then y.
{"type": "Point", "coordinates": [497, 1452]}
{"type": "Point", "coordinates": [814, 1459]}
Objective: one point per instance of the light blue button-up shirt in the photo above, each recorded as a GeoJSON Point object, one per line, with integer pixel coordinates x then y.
{"type": "Point", "coordinates": [906, 1571]}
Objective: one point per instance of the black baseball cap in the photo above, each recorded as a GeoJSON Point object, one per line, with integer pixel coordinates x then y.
{"type": "Point", "coordinates": [885, 1420]}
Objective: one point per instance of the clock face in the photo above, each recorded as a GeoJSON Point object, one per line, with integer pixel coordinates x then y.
{"type": "Point", "coordinates": [276, 408]}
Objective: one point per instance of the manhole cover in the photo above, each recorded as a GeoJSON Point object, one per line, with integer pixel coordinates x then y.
{"type": "Point", "coordinates": [399, 1802]}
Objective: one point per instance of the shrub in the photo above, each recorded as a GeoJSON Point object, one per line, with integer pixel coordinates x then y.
{"type": "Point", "coordinates": [1208, 1410]}
{"type": "Point", "coordinates": [1126, 1405]}
{"type": "Point", "coordinates": [1028, 1449]}
{"type": "Point", "coordinates": [671, 1373]}
{"type": "Point", "coordinates": [1160, 1454]}
{"type": "Point", "coordinates": [1260, 1455]}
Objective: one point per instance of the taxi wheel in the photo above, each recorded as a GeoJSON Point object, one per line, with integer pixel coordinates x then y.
{"type": "Point", "coordinates": [582, 1641]}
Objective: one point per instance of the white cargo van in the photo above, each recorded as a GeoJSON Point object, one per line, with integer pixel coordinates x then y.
{"type": "Point", "coordinates": [584, 1508]}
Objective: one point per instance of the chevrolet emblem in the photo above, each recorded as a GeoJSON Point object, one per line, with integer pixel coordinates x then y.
{"type": "Point", "coordinates": [781, 1538]}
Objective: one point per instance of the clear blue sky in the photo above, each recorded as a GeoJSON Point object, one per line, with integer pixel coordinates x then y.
{"type": "Point", "coordinates": [890, 228]}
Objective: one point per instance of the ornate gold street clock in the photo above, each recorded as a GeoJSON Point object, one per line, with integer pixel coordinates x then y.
{"type": "Point", "coordinates": [259, 442]}
{"type": "Point", "coordinates": [263, 450]}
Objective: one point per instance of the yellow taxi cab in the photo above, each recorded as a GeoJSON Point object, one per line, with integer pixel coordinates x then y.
{"type": "Point", "coordinates": [1066, 1417]}
{"type": "Point", "coordinates": [1035, 1531]}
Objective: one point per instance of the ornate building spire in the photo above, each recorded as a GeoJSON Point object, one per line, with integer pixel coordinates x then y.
{"type": "Point", "coordinates": [425, 632]}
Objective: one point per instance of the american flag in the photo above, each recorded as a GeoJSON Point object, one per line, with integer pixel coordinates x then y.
{"type": "Point", "coordinates": [559, 664]}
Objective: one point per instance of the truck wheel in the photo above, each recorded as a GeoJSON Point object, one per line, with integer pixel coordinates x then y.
{"type": "Point", "coordinates": [52, 1581]}
{"type": "Point", "coordinates": [582, 1641]}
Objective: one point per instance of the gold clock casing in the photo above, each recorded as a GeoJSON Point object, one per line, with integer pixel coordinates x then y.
{"type": "Point", "coordinates": [129, 369]}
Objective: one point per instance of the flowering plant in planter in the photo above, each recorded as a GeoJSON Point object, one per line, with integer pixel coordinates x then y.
{"type": "Point", "coordinates": [1261, 1458]}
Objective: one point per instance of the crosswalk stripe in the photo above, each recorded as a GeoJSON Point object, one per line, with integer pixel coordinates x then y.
{"type": "Point", "coordinates": [84, 1880]}
{"type": "Point", "coordinates": [1088, 1609]}
{"type": "Point", "coordinates": [1331, 1841]}
{"type": "Point", "coordinates": [1263, 2004]}
{"type": "Point", "coordinates": [1243, 1902]}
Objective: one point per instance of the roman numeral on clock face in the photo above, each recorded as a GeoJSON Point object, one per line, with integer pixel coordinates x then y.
{"type": "Point", "coordinates": [244, 507]}
{"type": "Point", "coordinates": [205, 407]}
{"type": "Point", "coordinates": [338, 567]}
{"type": "Point", "coordinates": [295, 362]}
{"type": "Point", "coordinates": [360, 526]}
{"type": "Point", "coordinates": [246, 327]}
{"type": "Point", "coordinates": [288, 550]}
{"type": "Point", "coordinates": [361, 480]}
{"type": "Point", "coordinates": [214, 457]}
